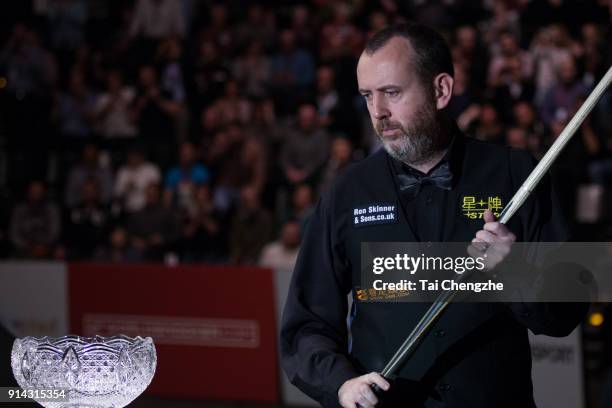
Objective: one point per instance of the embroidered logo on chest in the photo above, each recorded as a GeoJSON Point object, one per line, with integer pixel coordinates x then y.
{"type": "Point", "coordinates": [473, 207]}
{"type": "Point", "coordinates": [374, 214]}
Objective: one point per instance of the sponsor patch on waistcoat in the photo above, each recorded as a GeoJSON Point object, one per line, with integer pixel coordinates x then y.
{"type": "Point", "coordinates": [374, 214]}
{"type": "Point", "coordinates": [473, 207]}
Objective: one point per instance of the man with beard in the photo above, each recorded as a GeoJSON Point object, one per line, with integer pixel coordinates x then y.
{"type": "Point", "coordinates": [428, 183]}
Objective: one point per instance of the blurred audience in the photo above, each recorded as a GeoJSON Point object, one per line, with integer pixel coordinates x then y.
{"type": "Point", "coordinates": [246, 116]}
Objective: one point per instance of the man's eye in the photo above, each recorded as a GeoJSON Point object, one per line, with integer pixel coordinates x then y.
{"type": "Point", "coordinates": [367, 96]}
{"type": "Point", "coordinates": [392, 93]}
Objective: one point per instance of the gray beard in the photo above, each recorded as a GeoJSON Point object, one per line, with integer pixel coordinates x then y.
{"type": "Point", "coordinates": [419, 143]}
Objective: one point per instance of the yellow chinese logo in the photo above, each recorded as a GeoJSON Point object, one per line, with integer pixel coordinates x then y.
{"type": "Point", "coordinates": [474, 208]}
{"type": "Point", "coordinates": [373, 294]}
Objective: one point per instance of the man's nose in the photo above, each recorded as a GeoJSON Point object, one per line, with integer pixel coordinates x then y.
{"type": "Point", "coordinates": [379, 108]}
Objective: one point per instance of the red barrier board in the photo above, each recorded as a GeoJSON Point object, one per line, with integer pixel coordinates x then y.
{"type": "Point", "coordinates": [213, 327]}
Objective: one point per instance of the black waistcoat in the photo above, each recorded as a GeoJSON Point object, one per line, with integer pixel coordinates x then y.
{"type": "Point", "coordinates": [474, 345]}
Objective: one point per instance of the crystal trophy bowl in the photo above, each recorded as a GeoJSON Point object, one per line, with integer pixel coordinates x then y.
{"type": "Point", "coordinates": [94, 372]}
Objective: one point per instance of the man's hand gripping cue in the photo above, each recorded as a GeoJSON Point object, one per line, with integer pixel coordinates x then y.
{"type": "Point", "coordinates": [357, 392]}
{"type": "Point", "coordinates": [493, 242]}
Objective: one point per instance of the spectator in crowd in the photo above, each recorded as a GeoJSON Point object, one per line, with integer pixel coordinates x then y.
{"type": "Point", "coordinates": [66, 24]}
{"type": "Point", "coordinates": [218, 30]}
{"type": "Point", "coordinates": [500, 66]}
{"type": "Point", "coordinates": [132, 180]}
{"type": "Point", "coordinates": [328, 100]}
{"type": "Point", "coordinates": [306, 147]}
{"type": "Point", "coordinates": [170, 56]}
{"type": "Point", "coordinates": [251, 228]}
{"type": "Point", "coordinates": [90, 167]}
{"type": "Point", "coordinates": [282, 253]}
{"type": "Point", "coordinates": [30, 69]}
{"type": "Point", "coordinates": [75, 109]}
{"type": "Point", "coordinates": [293, 71]}
{"type": "Point", "coordinates": [204, 235]}
{"type": "Point", "coordinates": [341, 156]}
{"type": "Point", "coordinates": [302, 204]}
{"type": "Point", "coordinates": [339, 36]}
{"type": "Point", "coordinates": [504, 20]}
{"type": "Point", "coordinates": [258, 27]}
{"type": "Point", "coordinates": [549, 49]}
{"type": "Point", "coordinates": [157, 19]}
{"type": "Point", "coordinates": [264, 126]}
{"type": "Point", "coordinates": [377, 20]}
{"type": "Point", "coordinates": [87, 223]}
{"type": "Point", "coordinates": [600, 169]}
{"type": "Point", "coordinates": [155, 228]}
{"type": "Point", "coordinates": [238, 161]}
{"type": "Point", "coordinates": [155, 112]}
{"type": "Point", "coordinates": [303, 26]}
{"type": "Point", "coordinates": [35, 224]}
{"type": "Point", "coordinates": [182, 179]}
{"type": "Point", "coordinates": [232, 106]}
{"type": "Point", "coordinates": [112, 109]}
{"type": "Point", "coordinates": [562, 97]}
{"type": "Point", "coordinates": [593, 53]}
{"type": "Point", "coordinates": [210, 124]}
{"type": "Point", "coordinates": [517, 137]}
{"type": "Point", "coordinates": [571, 167]}
{"type": "Point", "coordinates": [512, 87]}
{"type": "Point", "coordinates": [471, 55]}
{"type": "Point", "coordinates": [252, 70]}
{"type": "Point", "coordinates": [463, 104]}
{"type": "Point", "coordinates": [489, 126]}
{"type": "Point", "coordinates": [118, 249]}
{"type": "Point", "coordinates": [525, 118]}
{"type": "Point", "coordinates": [209, 74]}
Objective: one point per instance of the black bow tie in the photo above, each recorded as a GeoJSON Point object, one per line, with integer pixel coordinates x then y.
{"type": "Point", "coordinates": [440, 177]}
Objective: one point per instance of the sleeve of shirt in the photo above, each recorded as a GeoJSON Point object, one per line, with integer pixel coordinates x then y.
{"type": "Point", "coordinates": [542, 220]}
{"type": "Point", "coordinates": [314, 338]}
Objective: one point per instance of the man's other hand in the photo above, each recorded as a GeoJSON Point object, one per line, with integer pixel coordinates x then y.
{"type": "Point", "coordinates": [357, 391]}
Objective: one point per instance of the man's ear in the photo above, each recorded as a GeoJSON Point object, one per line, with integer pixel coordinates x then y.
{"type": "Point", "coordinates": [443, 90]}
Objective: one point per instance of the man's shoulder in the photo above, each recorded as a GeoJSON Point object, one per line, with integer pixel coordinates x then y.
{"type": "Point", "coordinates": [368, 173]}
{"type": "Point", "coordinates": [364, 170]}
{"type": "Point", "coordinates": [479, 149]}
